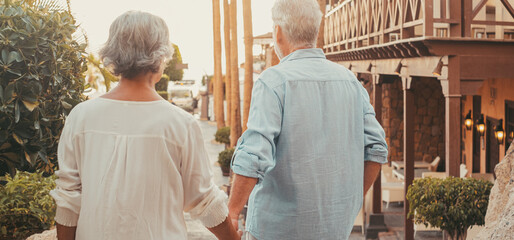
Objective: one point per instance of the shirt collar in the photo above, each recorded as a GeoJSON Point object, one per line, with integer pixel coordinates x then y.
{"type": "Point", "coordinates": [304, 53]}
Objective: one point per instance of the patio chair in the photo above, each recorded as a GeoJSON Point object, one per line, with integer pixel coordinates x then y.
{"type": "Point", "coordinates": [392, 188]}
{"type": "Point", "coordinates": [463, 171]}
{"type": "Point", "coordinates": [434, 164]}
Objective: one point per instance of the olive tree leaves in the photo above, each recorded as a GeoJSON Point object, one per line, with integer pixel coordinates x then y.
{"type": "Point", "coordinates": [41, 79]}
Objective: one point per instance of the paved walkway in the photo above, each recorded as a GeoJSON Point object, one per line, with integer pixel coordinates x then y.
{"type": "Point", "coordinates": [195, 229]}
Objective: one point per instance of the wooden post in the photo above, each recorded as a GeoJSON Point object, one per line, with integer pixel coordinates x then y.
{"type": "Point", "coordinates": [248, 38]}
{"type": "Point", "coordinates": [228, 82]}
{"type": "Point", "coordinates": [467, 17]}
{"type": "Point", "coordinates": [235, 130]}
{"type": "Point", "coordinates": [408, 149]}
{"type": "Point", "coordinates": [456, 15]}
{"type": "Point", "coordinates": [321, 35]}
{"type": "Point", "coordinates": [451, 90]}
{"type": "Point", "coordinates": [377, 104]}
{"type": "Point", "coordinates": [428, 24]}
{"type": "Point", "coordinates": [218, 83]}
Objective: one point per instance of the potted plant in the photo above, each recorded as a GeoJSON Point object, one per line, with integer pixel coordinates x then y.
{"type": "Point", "coordinates": [223, 136]}
{"type": "Point", "coordinates": [224, 159]}
{"type": "Point", "coordinates": [25, 205]}
{"type": "Point", "coordinates": [451, 204]}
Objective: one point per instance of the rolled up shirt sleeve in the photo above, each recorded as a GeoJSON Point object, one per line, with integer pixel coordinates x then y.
{"type": "Point", "coordinates": [68, 191]}
{"type": "Point", "coordinates": [202, 198]}
{"type": "Point", "coordinates": [255, 151]}
{"type": "Point", "coordinates": [375, 146]}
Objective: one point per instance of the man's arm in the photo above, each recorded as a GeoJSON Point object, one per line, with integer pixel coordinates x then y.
{"type": "Point", "coordinates": [371, 170]}
{"type": "Point", "coordinates": [225, 230]}
{"type": "Point", "coordinates": [65, 233]}
{"type": "Point", "coordinates": [241, 188]}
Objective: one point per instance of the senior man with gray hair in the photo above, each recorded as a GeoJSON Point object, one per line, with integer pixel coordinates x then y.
{"type": "Point", "coordinates": [313, 146]}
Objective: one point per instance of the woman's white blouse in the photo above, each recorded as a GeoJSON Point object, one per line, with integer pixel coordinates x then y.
{"type": "Point", "coordinates": [128, 170]}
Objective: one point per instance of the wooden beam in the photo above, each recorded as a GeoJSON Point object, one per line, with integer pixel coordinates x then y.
{"type": "Point", "coordinates": [477, 9]}
{"type": "Point", "coordinates": [497, 23]}
{"type": "Point", "coordinates": [456, 13]}
{"type": "Point", "coordinates": [443, 47]}
{"type": "Point", "coordinates": [450, 21]}
{"type": "Point", "coordinates": [408, 151]}
{"type": "Point", "coordinates": [470, 88]}
{"type": "Point", "coordinates": [509, 7]}
{"type": "Point", "coordinates": [484, 67]}
{"type": "Point", "coordinates": [428, 27]}
{"type": "Point", "coordinates": [467, 18]}
{"type": "Point", "coordinates": [377, 104]}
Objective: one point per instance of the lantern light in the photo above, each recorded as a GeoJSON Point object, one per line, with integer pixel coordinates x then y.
{"type": "Point", "coordinates": [499, 132]}
{"type": "Point", "coordinates": [481, 125]}
{"type": "Point", "coordinates": [468, 121]}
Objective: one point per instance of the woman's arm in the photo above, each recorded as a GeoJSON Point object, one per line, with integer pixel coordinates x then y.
{"type": "Point", "coordinates": [65, 233]}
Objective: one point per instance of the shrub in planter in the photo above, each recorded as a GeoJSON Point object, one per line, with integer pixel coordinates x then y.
{"type": "Point", "coordinates": [224, 159]}
{"type": "Point", "coordinates": [25, 205]}
{"type": "Point", "coordinates": [41, 79]}
{"type": "Point", "coordinates": [451, 204]}
{"type": "Point", "coordinates": [223, 136]}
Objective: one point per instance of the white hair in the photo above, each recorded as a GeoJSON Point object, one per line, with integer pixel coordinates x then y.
{"type": "Point", "coordinates": [138, 43]}
{"type": "Point", "coordinates": [299, 20]}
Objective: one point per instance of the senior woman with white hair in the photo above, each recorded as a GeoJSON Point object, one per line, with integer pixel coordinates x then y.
{"type": "Point", "coordinates": [130, 162]}
{"type": "Point", "coordinates": [312, 145]}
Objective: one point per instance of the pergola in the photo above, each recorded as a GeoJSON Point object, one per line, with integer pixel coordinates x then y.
{"type": "Point", "coordinates": [412, 39]}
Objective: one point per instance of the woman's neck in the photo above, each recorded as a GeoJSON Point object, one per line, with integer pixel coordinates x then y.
{"type": "Point", "coordinates": [139, 88]}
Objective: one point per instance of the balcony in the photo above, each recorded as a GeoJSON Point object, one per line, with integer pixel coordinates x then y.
{"type": "Point", "coordinates": [375, 29]}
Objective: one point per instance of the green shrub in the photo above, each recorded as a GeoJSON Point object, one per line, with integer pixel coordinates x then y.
{"type": "Point", "coordinates": [225, 157]}
{"type": "Point", "coordinates": [25, 205]}
{"type": "Point", "coordinates": [223, 135]}
{"type": "Point", "coordinates": [451, 204]}
{"type": "Point", "coordinates": [162, 86]}
{"type": "Point", "coordinates": [41, 79]}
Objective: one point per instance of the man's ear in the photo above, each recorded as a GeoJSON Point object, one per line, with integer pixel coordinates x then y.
{"type": "Point", "coordinates": [280, 35]}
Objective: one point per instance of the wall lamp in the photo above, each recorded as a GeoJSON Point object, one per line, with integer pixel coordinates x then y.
{"type": "Point", "coordinates": [468, 121]}
{"type": "Point", "coordinates": [398, 69]}
{"type": "Point", "coordinates": [439, 68]}
{"type": "Point", "coordinates": [481, 125]}
{"type": "Point", "coordinates": [499, 132]}
{"type": "Point", "coordinates": [350, 67]}
{"type": "Point", "coordinates": [369, 67]}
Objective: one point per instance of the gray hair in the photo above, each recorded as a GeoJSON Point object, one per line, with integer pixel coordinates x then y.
{"type": "Point", "coordinates": [138, 43]}
{"type": "Point", "coordinates": [299, 20]}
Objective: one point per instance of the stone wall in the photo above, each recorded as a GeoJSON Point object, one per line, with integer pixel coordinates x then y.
{"type": "Point", "coordinates": [428, 120]}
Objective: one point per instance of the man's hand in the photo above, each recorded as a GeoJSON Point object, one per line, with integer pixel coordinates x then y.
{"type": "Point", "coordinates": [241, 188]}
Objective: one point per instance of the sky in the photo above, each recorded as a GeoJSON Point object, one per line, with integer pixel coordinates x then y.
{"type": "Point", "coordinates": [189, 22]}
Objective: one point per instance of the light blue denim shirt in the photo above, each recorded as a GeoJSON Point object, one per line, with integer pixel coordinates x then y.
{"type": "Point", "coordinates": [310, 129]}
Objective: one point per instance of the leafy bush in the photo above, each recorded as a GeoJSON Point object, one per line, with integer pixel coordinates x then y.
{"type": "Point", "coordinates": [451, 204]}
{"type": "Point", "coordinates": [41, 79]}
{"type": "Point", "coordinates": [25, 205]}
{"type": "Point", "coordinates": [223, 135]}
{"type": "Point", "coordinates": [162, 86]}
{"type": "Point", "coordinates": [224, 159]}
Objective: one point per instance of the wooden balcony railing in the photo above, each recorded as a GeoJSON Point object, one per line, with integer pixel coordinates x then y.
{"type": "Point", "coordinates": [352, 24]}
